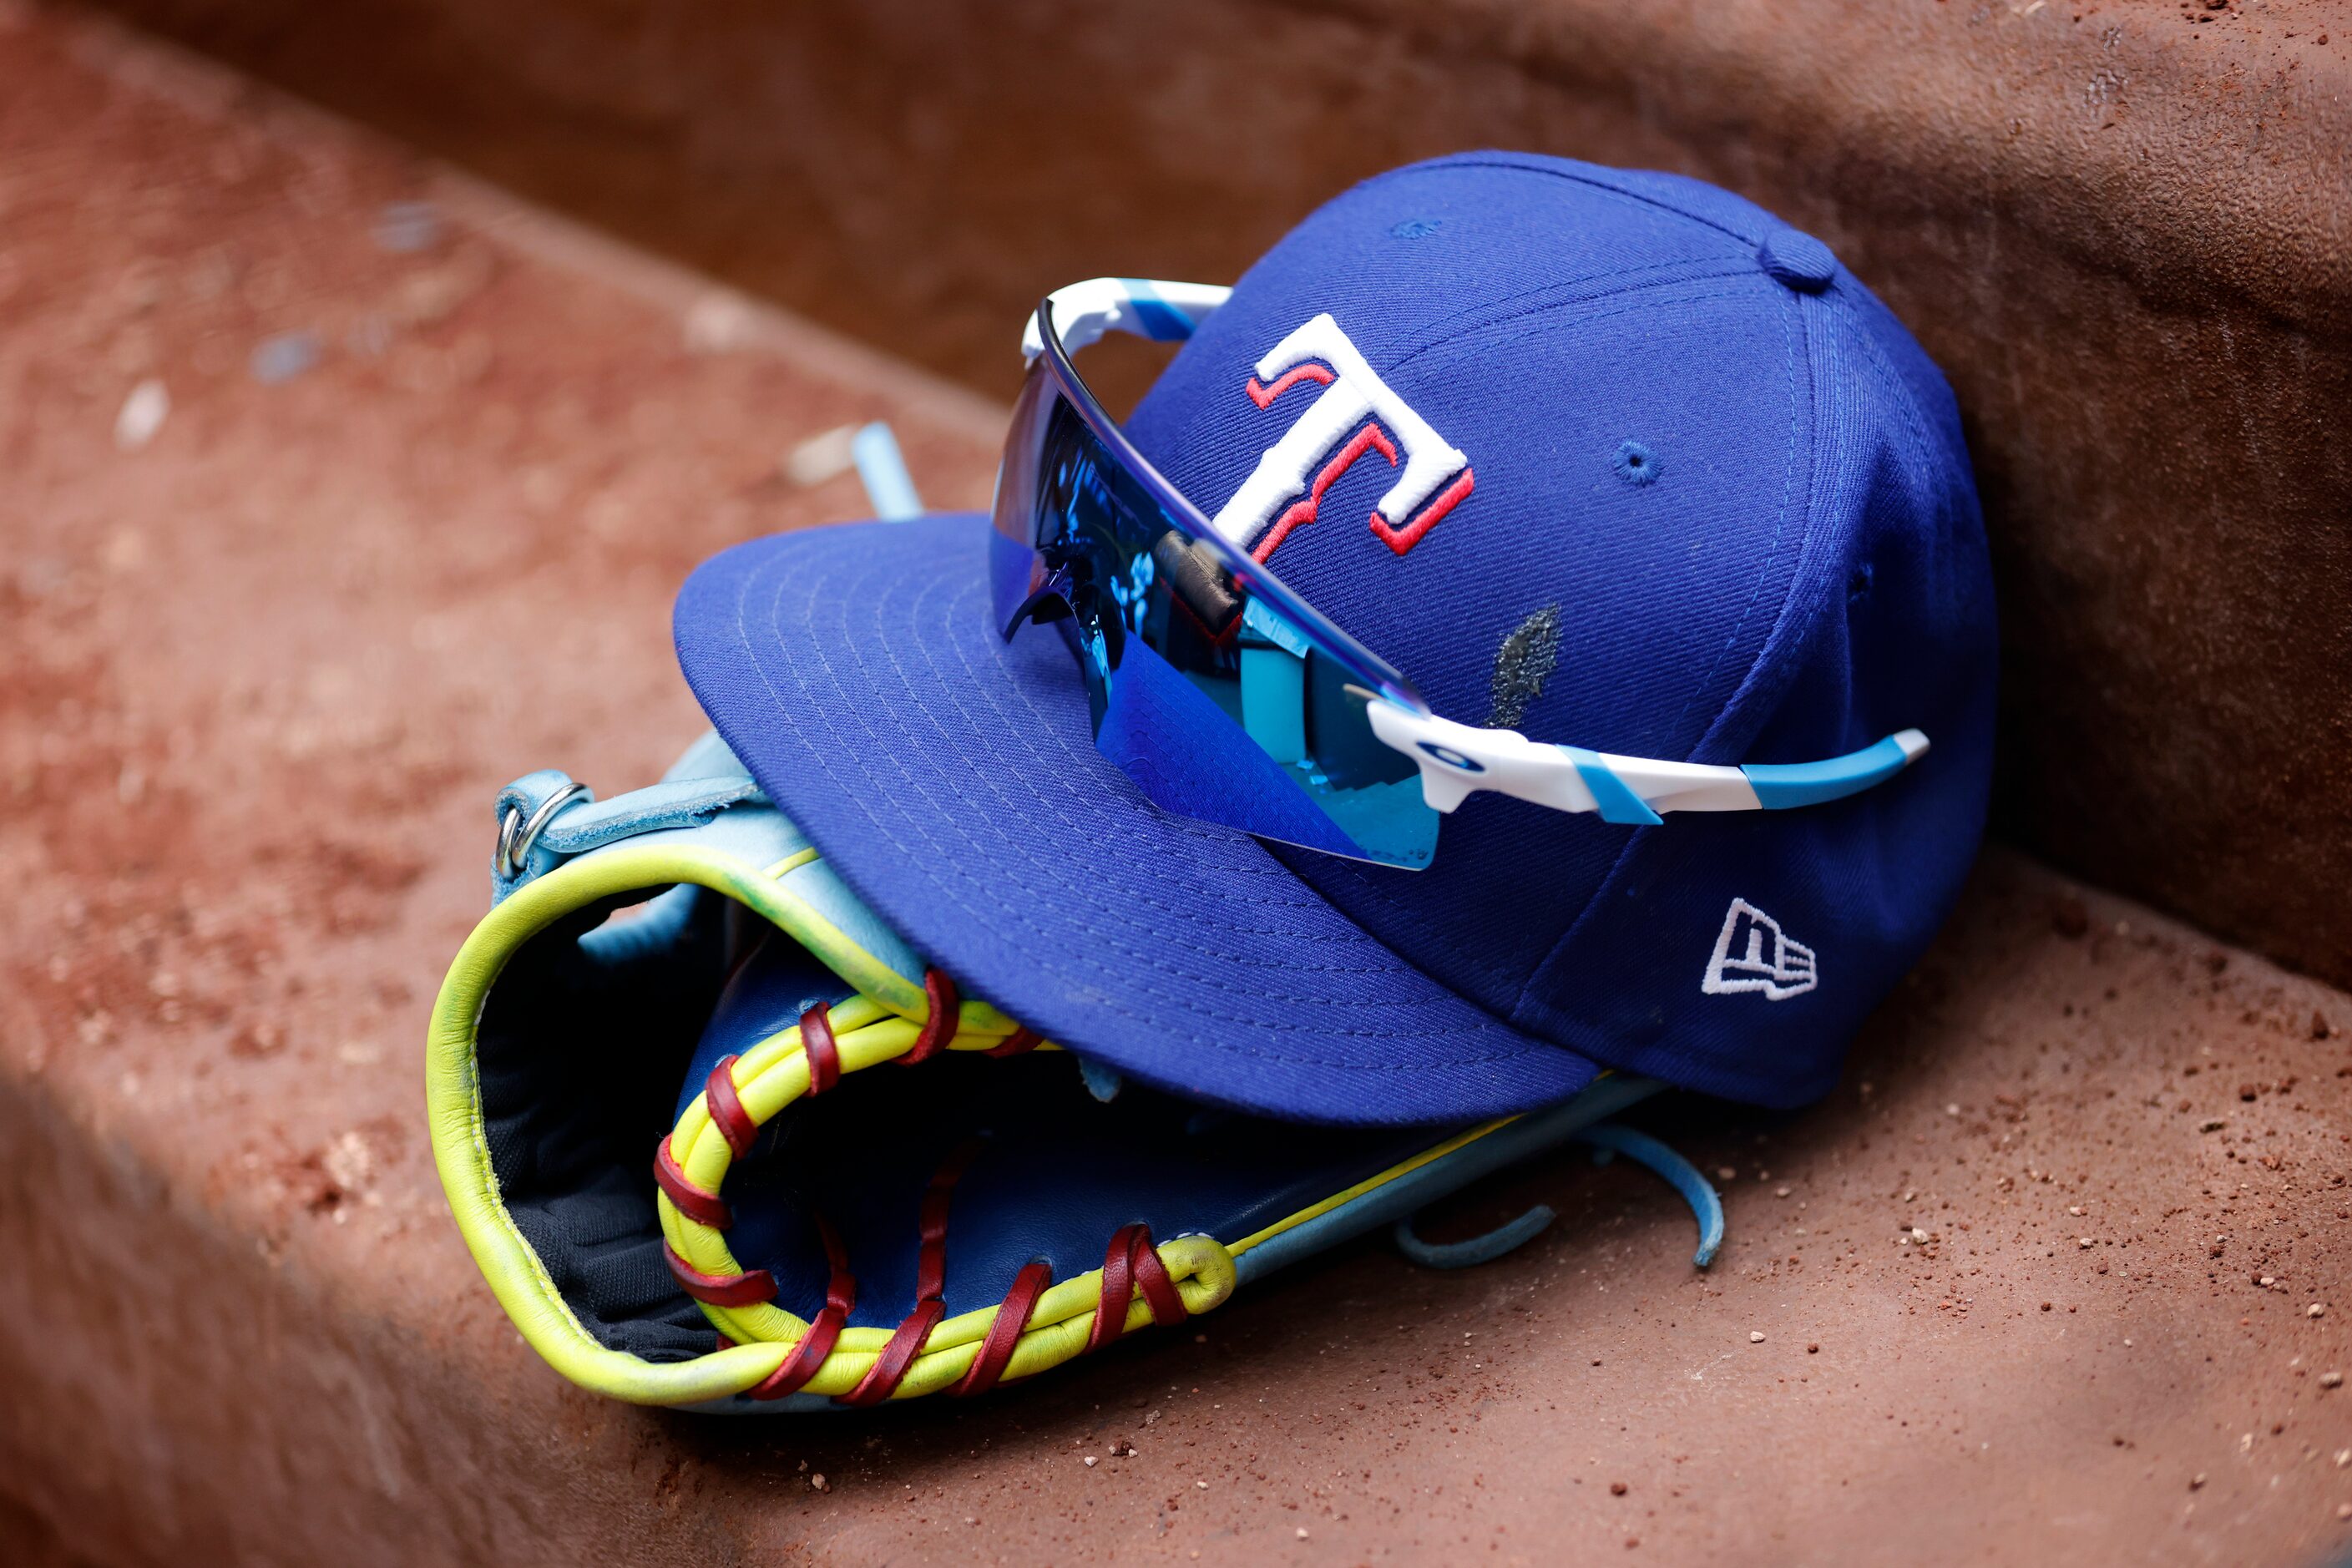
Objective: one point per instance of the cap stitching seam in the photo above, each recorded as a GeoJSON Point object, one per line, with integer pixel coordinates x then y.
{"type": "Point", "coordinates": [1490, 160]}
{"type": "Point", "coordinates": [1793, 355]}
{"type": "Point", "coordinates": [1470, 319]}
{"type": "Point", "coordinates": [1623, 303]}
{"type": "Point", "coordinates": [1634, 840]}
{"type": "Point", "coordinates": [1890, 380]}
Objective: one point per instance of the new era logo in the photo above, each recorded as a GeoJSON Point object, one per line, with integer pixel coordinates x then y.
{"type": "Point", "coordinates": [1753, 953]}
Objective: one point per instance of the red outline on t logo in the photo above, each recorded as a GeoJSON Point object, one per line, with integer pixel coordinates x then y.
{"type": "Point", "coordinates": [1347, 420]}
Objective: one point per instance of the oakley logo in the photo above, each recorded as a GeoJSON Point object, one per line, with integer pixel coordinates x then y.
{"type": "Point", "coordinates": [1356, 414]}
{"type": "Point", "coordinates": [1452, 758]}
{"type": "Point", "coordinates": [1753, 953]}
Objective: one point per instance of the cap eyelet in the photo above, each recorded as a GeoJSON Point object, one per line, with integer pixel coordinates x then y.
{"type": "Point", "coordinates": [1636, 464]}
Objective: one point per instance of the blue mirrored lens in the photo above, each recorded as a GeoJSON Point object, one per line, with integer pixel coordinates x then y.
{"type": "Point", "coordinates": [1215, 703]}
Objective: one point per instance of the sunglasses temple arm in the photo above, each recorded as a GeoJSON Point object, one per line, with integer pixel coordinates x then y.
{"type": "Point", "coordinates": [1164, 312]}
{"type": "Point", "coordinates": [1048, 604]}
{"type": "Point", "coordinates": [1457, 760]}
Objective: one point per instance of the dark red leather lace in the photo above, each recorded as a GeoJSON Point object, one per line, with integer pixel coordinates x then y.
{"type": "Point", "coordinates": [840, 1295]}
{"type": "Point", "coordinates": [1130, 1263]}
{"type": "Point", "coordinates": [939, 1028]}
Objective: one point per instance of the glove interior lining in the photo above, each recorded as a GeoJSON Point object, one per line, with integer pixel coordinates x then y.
{"type": "Point", "coordinates": [591, 1043]}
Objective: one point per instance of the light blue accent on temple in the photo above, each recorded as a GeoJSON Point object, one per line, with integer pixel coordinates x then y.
{"type": "Point", "coordinates": [1617, 802]}
{"type": "Point", "coordinates": [1779, 785]}
{"type": "Point", "coordinates": [1273, 628]}
{"type": "Point", "coordinates": [1162, 322]}
{"type": "Point", "coordinates": [890, 489]}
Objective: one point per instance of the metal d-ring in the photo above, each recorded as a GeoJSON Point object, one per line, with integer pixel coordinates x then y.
{"type": "Point", "coordinates": [517, 834]}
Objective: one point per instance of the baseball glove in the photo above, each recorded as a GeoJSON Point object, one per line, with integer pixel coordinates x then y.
{"type": "Point", "coordinates": [717, 1138]}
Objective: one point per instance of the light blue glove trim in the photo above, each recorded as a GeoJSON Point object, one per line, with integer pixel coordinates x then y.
{"type": "Point", "coordinates": [1385, 1205]}
{"type": "Point", "coordinates": [521, 801]}
{"type": "Point", "coordinates": [1103, 1082]}
{"type": "Point", "coordinates": [1530, 1135]}
{"type": "Point", "coordinates": [1779, 785]}
{"type": "Point", "coordinates": [708, 757]}
{"type": "Point", "coordinates": [688, 803]}
{"type": "Point", "coordinates": [820, 886]}
{"type": "Point", "coordinates": [754, 833]}
{"type": "Point", "coordinates": [1508, 1237]}
{"type": "Point", "coordinates": [707, 800]}
{"type": "Point", "coordinates": [589, 824]}
{"type": "Point", "coordinates": [1609, 1142]}
{"type": "Point", "coordinates": [704, 782]}
{"type": "Point", "coordinates": [661, 922]}
{"type": "Point", "coordinates": [1695, 1189]}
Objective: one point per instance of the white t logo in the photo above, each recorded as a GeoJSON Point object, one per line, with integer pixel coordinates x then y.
{"type": "Point", "coordinates": [1345, 422]}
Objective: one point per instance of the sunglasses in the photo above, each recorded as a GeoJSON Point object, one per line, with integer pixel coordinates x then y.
{"type": "Point", "coordinates": [1228, 699]}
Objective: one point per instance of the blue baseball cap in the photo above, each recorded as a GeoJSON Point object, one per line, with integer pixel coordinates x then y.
{"type": "Point", "coordinates": [1697, 495]}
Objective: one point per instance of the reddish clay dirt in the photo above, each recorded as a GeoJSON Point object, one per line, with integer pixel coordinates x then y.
{"type": "Point", "coordinates": [262, 675]}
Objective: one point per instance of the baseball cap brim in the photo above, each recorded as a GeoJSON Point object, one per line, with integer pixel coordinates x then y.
{"type": "Point", "coordinates": [950, 778]}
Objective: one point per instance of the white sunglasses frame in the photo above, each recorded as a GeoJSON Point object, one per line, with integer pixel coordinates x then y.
{"type": "Point", "coordinates": [1458, 760]}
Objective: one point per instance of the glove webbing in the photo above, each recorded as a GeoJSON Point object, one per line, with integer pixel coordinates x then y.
{"type": "Point", "coordinates": [1130, 1262]}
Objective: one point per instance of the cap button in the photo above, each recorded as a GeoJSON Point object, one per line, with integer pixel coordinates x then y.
{"type": "Point", "coordinates": [1796, 259]}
